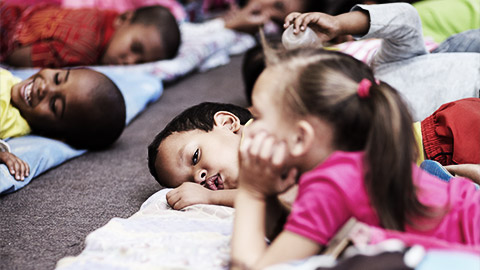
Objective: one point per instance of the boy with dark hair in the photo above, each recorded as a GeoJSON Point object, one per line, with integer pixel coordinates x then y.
{"type": "Point", "coordinates": [197, 149]}
{"type": "Point", "coordinates": [81, 107]}
{"type": "Point", "coordinates": [51, 36]}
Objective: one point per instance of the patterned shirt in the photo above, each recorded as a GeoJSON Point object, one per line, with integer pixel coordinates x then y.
{"type": "Point", "coordinates": [59, 37]}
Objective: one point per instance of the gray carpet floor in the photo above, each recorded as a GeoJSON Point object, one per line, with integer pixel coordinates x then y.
{"type": "Point", "coordinates": [50, 218]}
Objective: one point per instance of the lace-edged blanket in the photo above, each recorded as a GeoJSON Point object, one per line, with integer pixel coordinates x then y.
{"type": "Point", "coordinates": [158, 237]}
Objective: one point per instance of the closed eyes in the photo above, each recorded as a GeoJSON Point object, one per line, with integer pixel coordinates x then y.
{"type": "Point", "coordinates": [56, 79]}
{"type": "Point", "coordinates": [57, 106]}
{"type": "Point", "coordinates": [52, 105]}
{"type": "Point", "coordinates": [137, 47]}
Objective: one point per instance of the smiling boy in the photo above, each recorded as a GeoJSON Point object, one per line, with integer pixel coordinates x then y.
{"type": "Point", "coordinates": [81, 107]}
{"type": "Point", "coordinates": [51, 36]}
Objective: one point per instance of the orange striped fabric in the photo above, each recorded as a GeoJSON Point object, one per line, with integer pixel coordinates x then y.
{"type": "Point", "coordinates": [59, 37]}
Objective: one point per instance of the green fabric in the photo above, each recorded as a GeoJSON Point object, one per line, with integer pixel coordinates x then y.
{"type": "Point", "coordinates": [443, 18]}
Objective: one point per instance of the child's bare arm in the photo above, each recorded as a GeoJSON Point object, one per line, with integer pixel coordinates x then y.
{"type": "Point", "coordinates": [329, 27]}
{"type": "Point", "coordinates": [470, 171]}
{"type": "Point", "coordinates": [21, 57]}
{"type": "Point", "coordinates": [17, 167]}
{"type": "Point", "coordinates": [191, 193]}
{"type": "Point", "coordinates": [263, 175]}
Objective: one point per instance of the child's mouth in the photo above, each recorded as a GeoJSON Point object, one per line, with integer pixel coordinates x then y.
{"type": "Point", "coordinates": [27, 93]}
{"type": "Point", "coordinates": [214, 182]}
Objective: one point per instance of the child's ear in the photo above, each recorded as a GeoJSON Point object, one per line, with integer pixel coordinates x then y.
{"type": "Point", "coordinates": [123, 18]}
{"type": "Point", "coordinates": [227, 120]}
{"type": "Point", "coordinates": [302, 138]}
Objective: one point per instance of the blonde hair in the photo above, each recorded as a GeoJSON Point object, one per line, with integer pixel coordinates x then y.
{"type": "Point", "coordinates": [325, 84]}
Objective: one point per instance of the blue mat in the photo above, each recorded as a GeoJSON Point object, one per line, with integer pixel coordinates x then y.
{"type": "Point", "coordinates": [138, 89]}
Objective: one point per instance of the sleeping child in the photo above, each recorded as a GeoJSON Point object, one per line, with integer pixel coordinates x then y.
{"type": "Point", "coordinates": [51, 36]}
{"type": "Point", "coordinates": [81, 107]}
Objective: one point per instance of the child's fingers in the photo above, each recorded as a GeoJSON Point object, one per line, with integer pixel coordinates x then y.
{"type": "Point", "coordinates": [176, 205]}
{"type": "Point", "coordinates": [8, 160]}
{"type": "Point", "coordinates": [24, 169]}
{"type": "Point", "coordinates": [290, 18]}
{"type": "Point", "coordinates": [298, 24]}
{"type": "Point", "coordinates": [27, 168]}
{"type": "Point", "coordinates": [309, 18]}
{"type": "Point", "coordinates": [10, 165]}
{"type": "Point", "coordinates": [245, 145]}
{"type": "Point", "coordinates": [279, 153]}
{"type": "Point", "coordinates": [173, 200]}
{"type": "Point", "coordinates": [172, 196]}
{"type": "Point", "coordinates": [17, 167]}
{"type": "Point", "coordinates": [302, 21]}
{"type": "Point", "coordinates": [266, 148]}
{"type": "Point", "coordinates": [257, 144]}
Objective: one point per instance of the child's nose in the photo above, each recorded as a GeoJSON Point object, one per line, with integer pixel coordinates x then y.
{"type": "Point", "coordinates": [42, 89]}
{"type": "Point", "coordinates": [201, 176]}
{"type": "Point", "coordinates": [130, 59]}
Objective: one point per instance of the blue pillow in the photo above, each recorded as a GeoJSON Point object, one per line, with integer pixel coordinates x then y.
{"type": "Point", "coordinates": [41, 154]}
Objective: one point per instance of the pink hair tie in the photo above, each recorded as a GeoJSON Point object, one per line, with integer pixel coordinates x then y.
{"type": "Point", "coordinates": [364, 88]}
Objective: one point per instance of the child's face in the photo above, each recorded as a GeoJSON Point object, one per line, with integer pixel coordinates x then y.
{"type": "Point", "coordinates": [279, 9]}
{"type": "Point", "coordinates": [54, 98]}
{"type": "Point", "coordinates": [267, 106]}
{"type": "Point", "coordinates": [133, 44]}
{"type": "Point", "coordinates": [208, 158]}
{"type": "Point", "coordinates": [308, 138]}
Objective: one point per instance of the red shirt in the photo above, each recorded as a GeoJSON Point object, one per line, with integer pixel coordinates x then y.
{"type": "Point", "coordinates": [451, 135]}
{"type": "Point", "coordinates": [59, 37]}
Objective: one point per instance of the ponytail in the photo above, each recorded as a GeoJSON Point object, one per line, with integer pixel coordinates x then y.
{"type": "Point", "coordinates": [375, 120]}
{"type": "Point", "coordinates": [390, 152]}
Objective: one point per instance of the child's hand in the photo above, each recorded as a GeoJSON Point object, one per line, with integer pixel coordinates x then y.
{"type": "Point", "coordinates": [263, 171]}
{"type": "Point", "coordinates": [188, 194]}
{"type": "Point", "coordinates": [17, 167]}
{"type": "Point", "coordinates": [247, 19]}
{"type": "Point", "coordinates": [470, 171]}
{"type": "Point", "coordinates": [326, 26]}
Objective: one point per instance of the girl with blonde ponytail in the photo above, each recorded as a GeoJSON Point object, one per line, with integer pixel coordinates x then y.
{"type": "Point", "coordinates": [324, 122]}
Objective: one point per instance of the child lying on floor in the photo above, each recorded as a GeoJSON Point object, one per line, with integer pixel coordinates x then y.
{"type": "Point", "coordinates": [324, 122]}
{"type": "Point", "coordinates": [197, 149]}
{"type": "Point", "coordinates": [206, 138]}
{"type": "Point", "coordinates": [51, 36]}
{"type": "Point", "coordinates": [65, 104]}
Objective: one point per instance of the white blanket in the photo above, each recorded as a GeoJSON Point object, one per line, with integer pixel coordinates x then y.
{"type": "Point", "coordinates": [158, 237]}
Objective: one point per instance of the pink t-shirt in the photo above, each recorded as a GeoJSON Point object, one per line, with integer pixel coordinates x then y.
{"type": "Point", "coordinates": [334, 191]}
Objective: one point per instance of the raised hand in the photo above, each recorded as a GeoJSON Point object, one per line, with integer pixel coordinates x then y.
{"type": "Point", "coordinates": [326, 26]}
{"type": "Point", "coordinates": [263, 170]}
{"type": "Point", "coordinates": [247, 19]}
